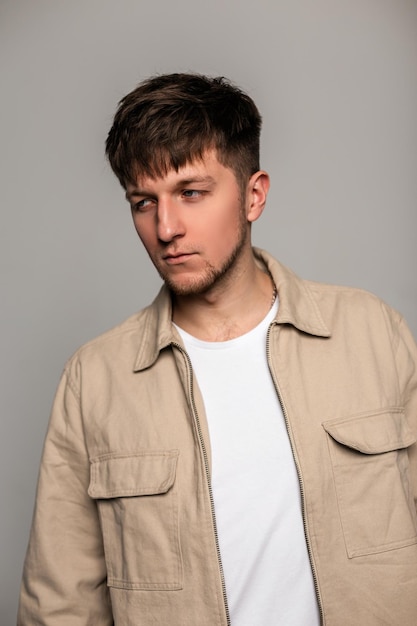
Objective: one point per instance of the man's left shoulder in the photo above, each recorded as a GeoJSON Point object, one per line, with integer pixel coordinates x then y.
{"type": "Point", "coordinates": [352, 303]}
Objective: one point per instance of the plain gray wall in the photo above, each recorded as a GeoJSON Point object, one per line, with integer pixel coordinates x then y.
{"type": "Point", "coordinates": [336, 81]}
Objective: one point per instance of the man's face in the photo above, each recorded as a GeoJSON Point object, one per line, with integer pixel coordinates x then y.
{"type": "Point", "coordinates": [192, 224]}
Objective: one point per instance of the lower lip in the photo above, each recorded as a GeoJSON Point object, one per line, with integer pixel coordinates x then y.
{"type": "Point", "coordinates": [177, 260]}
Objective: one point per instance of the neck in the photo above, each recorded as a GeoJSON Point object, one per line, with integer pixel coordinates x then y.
{"type": "Point", "coordinates": [228, 310]}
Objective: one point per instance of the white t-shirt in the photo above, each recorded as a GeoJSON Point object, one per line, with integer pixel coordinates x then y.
{"type": "Point", "coordinates": [255, 485]}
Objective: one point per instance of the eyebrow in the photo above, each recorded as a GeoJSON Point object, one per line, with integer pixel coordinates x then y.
{"type": "Point", "coordinates": [180, 183]}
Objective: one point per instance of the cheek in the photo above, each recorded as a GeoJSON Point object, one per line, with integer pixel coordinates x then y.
{"type": "Point", "coordinates": [225, 235]}
{"type": "Point", "coordinates": [230, 227]}
{"type": "Point", "coordinates": [144, 231]}
{"type": "Point", "coordinates": [226, 223]}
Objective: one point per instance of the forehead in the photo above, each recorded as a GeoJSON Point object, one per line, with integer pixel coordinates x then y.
{"type": "Point", "coordinates": [205, 169]}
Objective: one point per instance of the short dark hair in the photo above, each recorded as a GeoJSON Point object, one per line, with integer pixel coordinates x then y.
{"type": "Point", "coordinates": [173, 119]}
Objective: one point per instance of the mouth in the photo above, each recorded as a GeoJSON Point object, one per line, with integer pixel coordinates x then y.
{"type": "Point", "coordinates": [176, 258]}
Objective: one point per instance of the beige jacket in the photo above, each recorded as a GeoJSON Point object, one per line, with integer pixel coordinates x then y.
{"type": "Point", "coordinates": [124, 530]}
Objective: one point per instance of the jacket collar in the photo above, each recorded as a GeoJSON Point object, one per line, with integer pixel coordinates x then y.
{"type": "Point", "coordinates": [158, 330]}
{"type": "Point", "coordinates": [297, 303]}
{"type": "Point", "coordinates": [297, 306]}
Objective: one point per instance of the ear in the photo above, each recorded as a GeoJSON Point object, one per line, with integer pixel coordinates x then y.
{"type": "Point", "coordinates": [257, 191]}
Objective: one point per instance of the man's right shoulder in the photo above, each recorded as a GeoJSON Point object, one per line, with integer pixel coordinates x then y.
{"type": "Point", "coordinates": [120, 343]}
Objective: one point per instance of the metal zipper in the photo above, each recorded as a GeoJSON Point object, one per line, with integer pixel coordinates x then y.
{"type": "Point", "coordinates": [300, 478]}
{"type": "Point", "coordinates": [207, 471]}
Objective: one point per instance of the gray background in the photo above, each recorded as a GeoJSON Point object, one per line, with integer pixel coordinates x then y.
{"type": "Point", "coordinates": [336, 81]}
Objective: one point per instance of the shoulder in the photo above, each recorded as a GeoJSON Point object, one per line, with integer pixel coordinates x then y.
{"type": "Point", "coordinates": [127, 329]}
{"type": "Point", "coordinates": [350, 300]}
{"type": "Point", "coordinates": [118, 346]}
{"type": "Point", "coordinates": [305, 301]}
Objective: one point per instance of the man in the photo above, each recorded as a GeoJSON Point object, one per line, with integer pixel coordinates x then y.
{"type": "Point", "coordinates": [243, 451]}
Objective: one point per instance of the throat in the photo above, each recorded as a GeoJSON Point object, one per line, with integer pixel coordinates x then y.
{"type": "Point", "coordinates": [225, 332]}
{"type": "Point", "coordinates": [226, 319]}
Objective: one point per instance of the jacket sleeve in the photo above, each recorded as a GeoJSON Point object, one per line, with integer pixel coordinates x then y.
{"type": "Point", "coordinates": [406, 360]}
{"type": "Point", "coordinates": [64, 578]}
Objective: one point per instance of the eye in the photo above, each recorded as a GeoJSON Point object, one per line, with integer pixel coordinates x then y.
{"type": "Point", "coordinates": [143, 204]}
{"type": "Point", "coordinates": [192, 193]}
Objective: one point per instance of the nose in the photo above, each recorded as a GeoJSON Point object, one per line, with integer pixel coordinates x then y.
{"type": "Point", "coordinates": [169, 222]}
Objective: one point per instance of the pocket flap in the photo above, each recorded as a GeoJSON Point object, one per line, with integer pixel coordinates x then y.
{"type": "Point", "coordinates": [144, 473]}
{"type": "Point", "coordinates": [373, 433]}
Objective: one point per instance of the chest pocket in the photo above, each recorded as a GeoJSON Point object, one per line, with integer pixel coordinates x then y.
{"type": "Point", "coordinates": [372, 480]}
{"type": "Point", "coordinates": [138, 507]}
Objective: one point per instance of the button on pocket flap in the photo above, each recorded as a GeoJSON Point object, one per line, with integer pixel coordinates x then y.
{"type": "Point", "coordinates": [121, 475]}
{"type": "Point", "coordinates": [373, 433]}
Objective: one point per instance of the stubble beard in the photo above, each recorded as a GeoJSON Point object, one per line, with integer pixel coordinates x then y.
{"type": "Point", "coordinates": [211, 276]}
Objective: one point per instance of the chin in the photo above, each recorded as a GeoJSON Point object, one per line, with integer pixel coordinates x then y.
{"type": "Point", "coordinates": [191, 287]}
{"type": "Point", "coordinates": [186, 289]}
